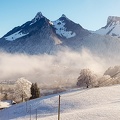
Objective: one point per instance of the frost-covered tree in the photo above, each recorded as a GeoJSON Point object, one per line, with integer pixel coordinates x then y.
{"type": "Point", "coordinates": [22, 89]}
{"type": "Point", "coordinates": [114, 75]}
{"type": "Point", "coordinates": [87, 78]}
{"type": "Point", "coordinates": [104, 80]}
{"type": "Point", "coordinates": [113, 71]}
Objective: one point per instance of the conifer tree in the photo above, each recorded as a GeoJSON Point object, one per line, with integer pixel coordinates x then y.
{"type": "Point", "coordinates": [35, 91]}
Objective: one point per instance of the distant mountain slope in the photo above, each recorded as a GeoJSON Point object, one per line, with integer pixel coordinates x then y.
{"type": "Point", "coordinates": [112, 28]}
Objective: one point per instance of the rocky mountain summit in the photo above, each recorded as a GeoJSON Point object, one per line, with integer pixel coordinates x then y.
{"type": "Point", "coordinates": [40, 35]}
{"type": "Point", "coordinates": [43, 36]}
{"type": "Point", "coordinates": [112, 27]}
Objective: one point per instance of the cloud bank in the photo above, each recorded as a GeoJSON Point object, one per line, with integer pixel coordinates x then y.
{"type": "Point", "coordinates": [48, 70]}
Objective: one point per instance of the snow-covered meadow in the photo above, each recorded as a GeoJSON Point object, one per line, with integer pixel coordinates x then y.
{"type": "Point", "coordinates": [76, 104]}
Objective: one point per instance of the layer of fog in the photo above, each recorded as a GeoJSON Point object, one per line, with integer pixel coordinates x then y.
{"type": "Point", "coordinates": [61, 69]}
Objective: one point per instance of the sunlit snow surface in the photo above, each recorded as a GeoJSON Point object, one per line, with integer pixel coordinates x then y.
{"type": "Point", "coordinates": [61, 30]}
{"type": "Point", "coordinates": [113, 30]}
{"type": "Point", "coordinates": [5, 104]}
{"type": "Point", "coordinates": [87, 104]}
{"type": "Point", "coordinates": [15, 36]}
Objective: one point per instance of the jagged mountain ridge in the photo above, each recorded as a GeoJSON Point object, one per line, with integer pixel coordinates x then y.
{"type": "Point", "coordinates": [27, 29]}
{"type": "Point", "coordinates": [40, 35]}
{"type": "Point", "coordinates": [112, 27]}
{"type": "Point", "coordinates": [63, 27]}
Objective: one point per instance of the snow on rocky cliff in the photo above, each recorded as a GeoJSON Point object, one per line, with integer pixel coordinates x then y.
{"type": "Point", "coordinates": [112, 28]}
{"type": "Point", "coordinates": [61, 30]}
{"type": "Point", "coordinates": [15, 36]}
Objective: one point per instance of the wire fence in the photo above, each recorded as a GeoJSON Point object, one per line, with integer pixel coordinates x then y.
{"type": "Point", "coordinates": [35, 111]}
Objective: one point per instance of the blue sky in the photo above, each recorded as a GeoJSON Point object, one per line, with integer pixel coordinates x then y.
{"type": "Point", "coordinates": [91, 14]}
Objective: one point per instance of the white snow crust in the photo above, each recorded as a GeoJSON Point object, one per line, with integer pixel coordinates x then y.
{"type": "Point", "coordinates": [113, 28]}
{"type": "Point", "coordinates": [77, 104]}
{"type": "Point", "coordinates": [15, 36]}
{"type": "Point", "coordinates": [61, 30]}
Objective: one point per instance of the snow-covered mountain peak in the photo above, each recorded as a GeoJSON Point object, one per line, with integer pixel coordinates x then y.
{"type": "Point", "coordinates": [113, 19]}
{"type": "Point", "coordinates": [60, 27]}
{"type": "Point", "coordinates": [37, 17]}
{"type": "Point", "coordinates": [63, 15]}
{"type": "Point", "coordinates": [27, 28]}
{"type": "Point", "coordinates": [112, 27]}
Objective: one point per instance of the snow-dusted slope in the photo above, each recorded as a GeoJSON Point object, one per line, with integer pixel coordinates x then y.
{"type": "Point", "coordinates": [66, 28]}
{"type": "Point", "coordinates": [21, 31]}
{"type": "Point", "coordinates": [61, 30]}
{"type": "Point", "coordinates": [27, 28]}
{"type": "Point", "coordinates": [15, 36]}
{"type": "Point", "coordinates": [112, 28]}
{"type": "Point", "coordinates": [88, 104]}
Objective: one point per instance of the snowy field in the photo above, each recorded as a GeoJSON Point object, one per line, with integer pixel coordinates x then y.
{"type": "Point", "coordinates": [76, 104]}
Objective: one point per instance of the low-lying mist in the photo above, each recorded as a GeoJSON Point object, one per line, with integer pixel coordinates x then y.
{"type": "Point", "coordinates": [61, 69]}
